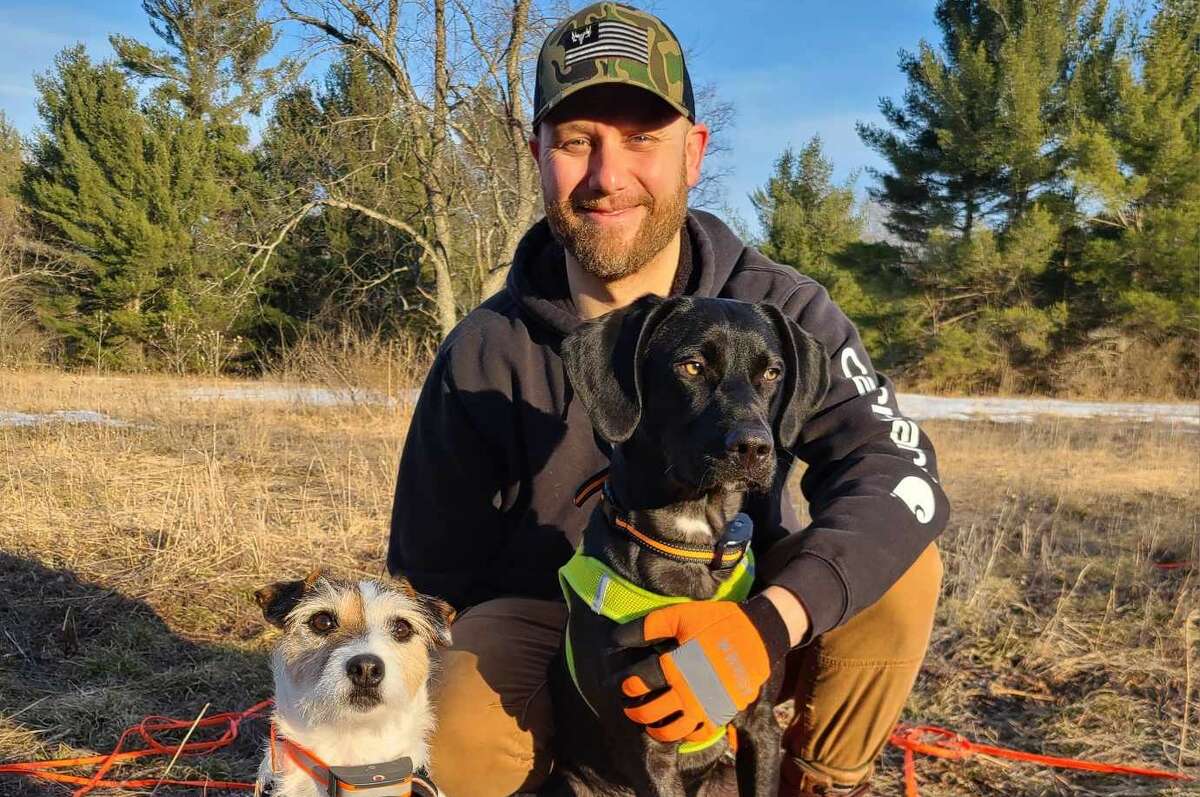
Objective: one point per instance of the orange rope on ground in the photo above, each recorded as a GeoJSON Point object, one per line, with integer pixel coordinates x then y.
{"type": "Point", "coordinates": [912, 739]}
{"type": "Point", "coordinates": [1173, 565]}
{"type": "Point", "coordinates": [147, 730]}
{"type": "Point", "coordinates": [941, 743]}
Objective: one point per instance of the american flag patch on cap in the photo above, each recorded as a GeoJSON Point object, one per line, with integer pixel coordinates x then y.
{"type": "Point", "coordinates": [607, 38]}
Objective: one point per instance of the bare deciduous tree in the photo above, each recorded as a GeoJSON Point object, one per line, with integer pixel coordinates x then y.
{"type": "Point", "coordinates": [25, 262]}
{"type": "Point", "coordinates": [459, 79]}
{"type": "Point", "coordinates": [466, 111]}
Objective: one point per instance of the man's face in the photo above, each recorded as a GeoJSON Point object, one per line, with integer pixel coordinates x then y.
{"type": "Point", "coordinates": [616, 164]}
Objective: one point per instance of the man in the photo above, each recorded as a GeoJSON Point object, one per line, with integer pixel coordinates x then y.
{"type": "Point", "coordinates": [483, 515]}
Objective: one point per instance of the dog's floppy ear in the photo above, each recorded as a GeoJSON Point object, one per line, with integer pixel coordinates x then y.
{"type": "Point", "coordinates": [277, 600]}
{"type": "Point", "coordinates": [603, 359]}
{"type": "Point", "coordinates": [806, 377]}
{"type": "Point", "coordinates": [441, 616]}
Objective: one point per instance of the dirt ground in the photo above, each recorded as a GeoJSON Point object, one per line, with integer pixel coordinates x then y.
{"type": "Point", "coordinates": [128, 555]}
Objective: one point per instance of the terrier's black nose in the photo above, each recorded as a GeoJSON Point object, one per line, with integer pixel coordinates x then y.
{"type": "Point", "coordinates": [749, 446]}
{"type": "Point", "coordinates": [365, 669]}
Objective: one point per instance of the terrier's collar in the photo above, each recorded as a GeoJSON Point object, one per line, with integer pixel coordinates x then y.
{"type": "Point", "coordinates": [729, 550]}
{"type": "Point", "coordinates": [390, 779]}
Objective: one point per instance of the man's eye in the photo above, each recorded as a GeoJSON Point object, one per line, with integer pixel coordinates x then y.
{"type": "Point", "coordinates": [641, 138]}
{"type": "Point", "coordinates": [771, 374]}
{"type": "Point", "coordinates": [574, 144]}
{"type": "Point", "coordinates": [691, 368]}
{"type": "Point", "coordinates": [322, 623]}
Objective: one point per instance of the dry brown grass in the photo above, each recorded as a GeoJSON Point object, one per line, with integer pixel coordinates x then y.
{"type": "Point", "coordinates": [127, 555]}
{"type": "Point", "coordinates": [1056, 634]}
{"type": "Point", "coordinates": [1120, 369]}
{"type": "Point", "coordinates": [351, 359]}
{"type": "Point", "coordinates": [127, 558]}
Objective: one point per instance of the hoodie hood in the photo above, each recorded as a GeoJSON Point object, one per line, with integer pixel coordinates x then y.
{"type": "Point", "coordinates": [537, 281]}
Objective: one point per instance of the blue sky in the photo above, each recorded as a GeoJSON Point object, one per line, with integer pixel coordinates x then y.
{"type": "Point", "coordinates": [792, 68]}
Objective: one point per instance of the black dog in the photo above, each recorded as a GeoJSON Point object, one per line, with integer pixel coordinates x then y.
{"type": "Point", "coordinates": [696, 397]}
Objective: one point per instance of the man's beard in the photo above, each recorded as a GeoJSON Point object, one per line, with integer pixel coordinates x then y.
{"type": "Point", "coordinates": [603, 252]}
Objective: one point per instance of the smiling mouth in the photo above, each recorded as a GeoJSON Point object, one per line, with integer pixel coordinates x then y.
{"type": "Point", "coordinates": [600, 209]}
{"type": "Point", "coordinates": [607, 215]}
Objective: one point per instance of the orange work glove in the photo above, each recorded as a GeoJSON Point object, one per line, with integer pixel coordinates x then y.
{"type": "Point", "coordinates": [724, 654]}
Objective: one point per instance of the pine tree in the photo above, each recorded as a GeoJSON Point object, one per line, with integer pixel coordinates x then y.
{"type": "Point", "coordinates": [942, 139]}
{"type": "Point", "coordinates": [968, 144]}
{"type": "Point", "coordinates": [987, 322]}
{"type": "Point", "coordinates": [807, 219]}
{"type": "Point", "coordinates": [131, 193]}
{"type": "Point", "coordinates": [811, 223]}
{"type": "Point", "coordinates": [980, 185]}
{"type": "Point", "coordinates": [212, 64]}
{"type": "Point", "coordinates": [1136, 162]}
{"type": "Point", "coordinates": [96, 185]}
{"type": "Point", "coordinates": [202, 84]}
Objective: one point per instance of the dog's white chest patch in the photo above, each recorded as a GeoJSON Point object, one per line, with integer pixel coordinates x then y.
{"type": "Point", "coordinates": [692, 526]}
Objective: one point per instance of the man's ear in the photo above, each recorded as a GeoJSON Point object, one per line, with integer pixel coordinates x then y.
{"type": "Point", "coordinates": [695, 145]}
{"type": "Point", "coordinates": [603, 358]}
{"type": "Point", "coordinates": [806, 377]}
{"type": "Point", "coordinates": [277, 600]}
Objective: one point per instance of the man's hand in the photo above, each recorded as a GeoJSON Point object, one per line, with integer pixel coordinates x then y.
{"type": "Point", "coordinates": [724, 654]}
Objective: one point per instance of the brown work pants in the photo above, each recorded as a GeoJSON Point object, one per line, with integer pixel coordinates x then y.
{"type": "Point", "coordinates": [495, 720]}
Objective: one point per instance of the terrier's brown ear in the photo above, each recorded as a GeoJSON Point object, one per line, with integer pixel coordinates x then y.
{"type": "Point", "coordinates": [441, 616]}
{"type": "Point", "coordinates": [439, 613]}
{"type": "Point", "coordinates": [277, 600]}
{"type": "Point", "coordinates": [405, 586]}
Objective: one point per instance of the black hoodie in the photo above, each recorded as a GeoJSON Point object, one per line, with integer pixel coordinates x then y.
{"type": "Point", "coordinates": [498, 446]}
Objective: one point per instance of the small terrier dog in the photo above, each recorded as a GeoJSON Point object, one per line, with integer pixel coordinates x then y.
{"type": "Point", "coordinates": [351, 679]}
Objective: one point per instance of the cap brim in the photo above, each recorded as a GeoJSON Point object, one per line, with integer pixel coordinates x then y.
{"type": "Point", "coordinates": [612, 81]}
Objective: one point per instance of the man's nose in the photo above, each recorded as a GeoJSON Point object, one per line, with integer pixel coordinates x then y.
{"type": "Point", "coordinates": [608, 169]}
{"type": "Point", "coordinates": [749, 445]}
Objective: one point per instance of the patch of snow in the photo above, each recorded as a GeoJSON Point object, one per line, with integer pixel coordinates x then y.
{"type": "Point", "coordinates": [917, 407]}
{"type": "Point", "coordinates": [60, 416]}
{"type": "Point", "coordinates": [313, 396]}
{"type": "Point", "coordinates": [1014, 410]}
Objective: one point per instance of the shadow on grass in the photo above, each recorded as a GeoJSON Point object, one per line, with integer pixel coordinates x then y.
{"type": "Point", "coordinates": [80, 662]}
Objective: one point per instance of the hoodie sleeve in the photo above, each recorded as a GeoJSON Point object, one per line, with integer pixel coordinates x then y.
{"type": "Point", "coordinates": [872, 484]}
{"type": "Point", "coordinates": [446, 515]}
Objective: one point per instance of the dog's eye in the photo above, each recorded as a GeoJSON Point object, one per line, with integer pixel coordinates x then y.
{"type": "Point", "coordinates": [322, 623]}
{"type": "Point", "coordinates": [401, 629]}
{"type": "Point", "coordinates": [771, 374]}
{"type": "Point", "coordinates": [691, 367]}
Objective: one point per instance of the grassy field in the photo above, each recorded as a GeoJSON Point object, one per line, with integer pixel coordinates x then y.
{"type": "Point", "coordinates": [128, 556]}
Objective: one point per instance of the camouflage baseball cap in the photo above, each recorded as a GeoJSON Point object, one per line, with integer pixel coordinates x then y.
{"type": "Point", "coordinates": [611, 43]}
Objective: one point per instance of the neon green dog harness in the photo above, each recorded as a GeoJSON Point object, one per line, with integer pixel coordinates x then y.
{"type": "Point", "coordinates": [618, 599]}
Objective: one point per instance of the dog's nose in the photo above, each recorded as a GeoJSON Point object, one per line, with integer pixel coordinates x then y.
{"type": "Point", "coordinates": [749, 446]}
{"type": "Point", "coordinates": [366, 669]}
